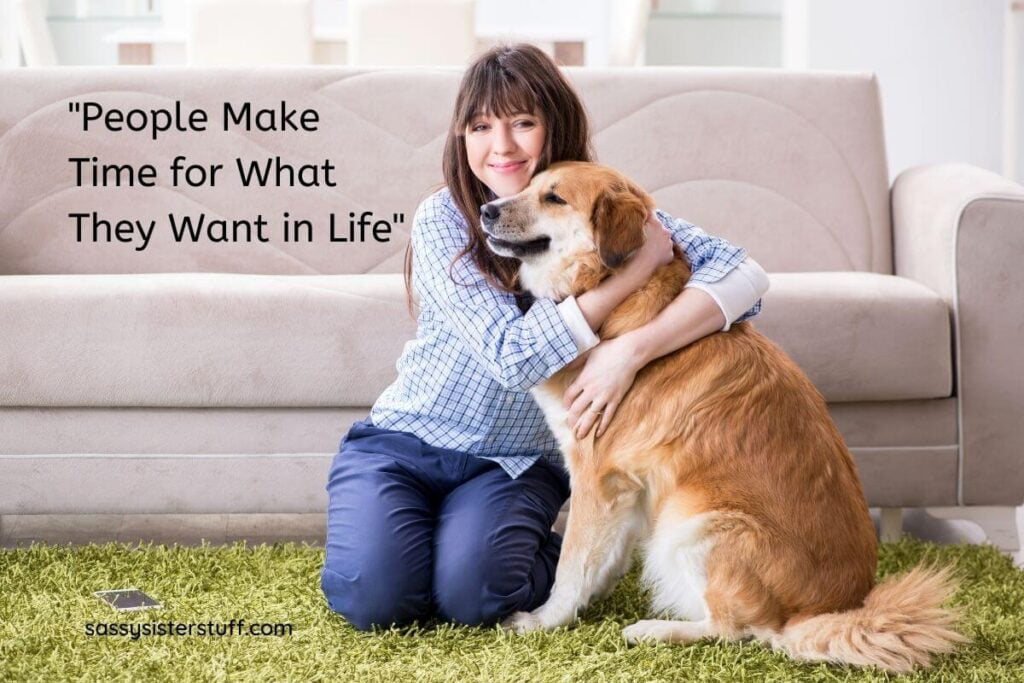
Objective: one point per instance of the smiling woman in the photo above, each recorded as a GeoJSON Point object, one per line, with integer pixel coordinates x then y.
{"type": "Point", "coordinates": [504, 151]}
{"type": "Point", "coordinates": [444, 497]}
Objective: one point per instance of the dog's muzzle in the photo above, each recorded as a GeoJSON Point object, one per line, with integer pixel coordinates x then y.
{"type": "Point", "coordinates": [490, 214]}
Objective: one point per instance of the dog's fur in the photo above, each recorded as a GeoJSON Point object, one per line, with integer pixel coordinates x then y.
{"type": "Point", "coordinates": [721, 460]}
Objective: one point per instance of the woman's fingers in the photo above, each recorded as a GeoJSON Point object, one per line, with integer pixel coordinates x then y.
{"type": "Point", "coordinates": [606, 416]}
{"type": "Point", "coordinates": [577, 412]}
{"type": "Point", "coordinates": [589, 417]}
{"type": "Point", "coordinates": [572, 392]}
{"type": "Point", "coordinates": [584, 425]}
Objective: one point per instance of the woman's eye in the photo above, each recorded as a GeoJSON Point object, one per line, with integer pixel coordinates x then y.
{"type": "Point", "coordinates": [479, 127]}
{"type": "Point", "coordinates": [553, 198]}
{"type": "Point", "coordinates": [525, 124]}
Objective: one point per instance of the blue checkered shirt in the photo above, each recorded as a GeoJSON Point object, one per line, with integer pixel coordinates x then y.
{"type": "Point", "coordinates": [463, 382]}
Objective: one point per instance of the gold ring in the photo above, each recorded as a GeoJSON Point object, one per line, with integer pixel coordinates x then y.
{"type": "Point", "coordinates": [596, 412]}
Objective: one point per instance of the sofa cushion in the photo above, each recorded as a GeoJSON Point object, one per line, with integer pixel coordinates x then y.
{"type": "Point", "coordinates": [862, 336]}
{"type": "Point", "coordinates": [200, 339]}
{"type": "Point", "coordinates": [229, 340]}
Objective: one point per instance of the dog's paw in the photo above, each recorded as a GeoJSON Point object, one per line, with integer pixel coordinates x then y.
{"type": "Point", "coordinates": [666, 631]}
{"type": "Point", "coordinates": [646, 630]}
{"type": "Point", "coordinates": [523, 622]}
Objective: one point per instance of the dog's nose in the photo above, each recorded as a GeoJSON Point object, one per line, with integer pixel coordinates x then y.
{"type": "Point", "coordinates": [489, 213]}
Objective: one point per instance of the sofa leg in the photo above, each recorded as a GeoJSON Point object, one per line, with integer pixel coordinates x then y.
{"type": "Point", "coordinates": [891, 526]}
{"type": "Point", "coordinates": [998, 523]}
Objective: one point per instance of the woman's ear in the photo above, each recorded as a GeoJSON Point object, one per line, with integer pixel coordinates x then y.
{"type": "Point", "coordinates": [618, 220]}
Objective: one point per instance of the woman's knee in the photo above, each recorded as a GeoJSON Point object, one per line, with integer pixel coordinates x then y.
{"type": "Point", "coordinates": [373, 575]}
{"type": "Point", "coordinates": [477, 589]}
{"type": "Point", "coordinates": [378, 557]}
{"type": "Point", "coordinates": [379, 601]}
{"type": "Point", "coordinates": [379, 542]}
{"type": "Point", "coordinates": [502, 560]}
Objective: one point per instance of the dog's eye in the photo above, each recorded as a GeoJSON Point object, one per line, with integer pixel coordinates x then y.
{"type": "Point", "coordinates": [553, 198]}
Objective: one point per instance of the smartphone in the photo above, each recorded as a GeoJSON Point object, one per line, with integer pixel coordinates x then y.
{"type": "Point", "coordinates": [128, 600]}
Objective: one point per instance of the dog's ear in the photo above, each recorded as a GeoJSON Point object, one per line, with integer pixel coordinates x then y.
{"type": "Point", "coordinates": [618, 218]}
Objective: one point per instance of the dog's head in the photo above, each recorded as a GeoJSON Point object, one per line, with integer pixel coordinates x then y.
{"type": "Point", "coordinates": [573, 225]}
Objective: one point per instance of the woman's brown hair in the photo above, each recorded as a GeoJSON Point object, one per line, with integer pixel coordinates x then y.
{"type": "Point", "coordinates": [503, 81]}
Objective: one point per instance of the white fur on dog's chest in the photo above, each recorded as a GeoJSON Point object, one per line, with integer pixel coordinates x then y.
{"type": "Point", "coordinates": [555, 413]}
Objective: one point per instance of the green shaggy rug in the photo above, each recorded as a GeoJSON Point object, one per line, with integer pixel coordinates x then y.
{"type": "Point", "coordinates": [47, 605]}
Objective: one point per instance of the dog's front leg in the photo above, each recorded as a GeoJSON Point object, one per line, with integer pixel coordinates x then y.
{"type": "Point", "coordinates": [597, 535]}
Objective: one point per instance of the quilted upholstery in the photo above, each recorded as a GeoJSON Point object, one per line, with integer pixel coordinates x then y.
{"type": "Point", "coordinates": [789, 165]}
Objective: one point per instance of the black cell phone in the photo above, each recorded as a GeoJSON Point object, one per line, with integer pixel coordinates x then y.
{"type": "Point", "coordinates": [128, 600]}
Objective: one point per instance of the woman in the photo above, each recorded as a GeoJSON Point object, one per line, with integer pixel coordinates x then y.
{"type": "Point", "coordinates": [442, 500]}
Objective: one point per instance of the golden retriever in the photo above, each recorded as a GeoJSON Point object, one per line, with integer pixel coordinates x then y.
{"type": "Point", "coordinates": [722, 460]}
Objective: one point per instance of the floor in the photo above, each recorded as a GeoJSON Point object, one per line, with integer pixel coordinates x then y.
{"type": "Point", "coordinates": [22, 530]}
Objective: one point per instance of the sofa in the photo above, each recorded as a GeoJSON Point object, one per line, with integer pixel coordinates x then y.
{"type": "Point", "coordinates": [219, 377]}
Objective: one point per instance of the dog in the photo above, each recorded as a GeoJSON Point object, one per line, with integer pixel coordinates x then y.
{"type": "Point", "coordinates": [722, 461]}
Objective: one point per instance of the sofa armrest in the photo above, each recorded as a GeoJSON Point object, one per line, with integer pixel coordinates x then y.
{"type": "Point", "coordinates": [959, 230]}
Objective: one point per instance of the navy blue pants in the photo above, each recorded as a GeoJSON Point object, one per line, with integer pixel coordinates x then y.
{"type": "Point", "coordinates": [415, 531]}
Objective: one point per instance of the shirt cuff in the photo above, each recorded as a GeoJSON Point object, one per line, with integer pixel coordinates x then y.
{"type": "Point", "coordinates": [738, 291]}
{"type": "Point", "coordinates": [556, 346]}
{"type": "Point", "coordinates": [578, 326]}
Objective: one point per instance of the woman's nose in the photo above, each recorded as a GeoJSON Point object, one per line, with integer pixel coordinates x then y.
{"type": "Point", "coordinates": [504, 141]}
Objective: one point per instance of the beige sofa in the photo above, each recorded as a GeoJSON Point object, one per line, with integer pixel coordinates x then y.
{"type": "Point", "coordinates": [220, 377]}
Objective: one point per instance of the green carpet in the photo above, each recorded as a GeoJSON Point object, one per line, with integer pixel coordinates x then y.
{"type": "Point", "coordinates": [46, 601]}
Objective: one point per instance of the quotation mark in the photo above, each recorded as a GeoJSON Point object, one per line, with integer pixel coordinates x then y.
{"type": "Point", "coordinates": [74, 107]}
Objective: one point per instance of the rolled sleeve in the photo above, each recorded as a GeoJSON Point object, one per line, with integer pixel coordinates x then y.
{"type": "Point", "coordinates": [712, 260]}
{"type": "Point", "coordinates": [738, 294]}
{"type": "Point", "coordinates": [578, 326]}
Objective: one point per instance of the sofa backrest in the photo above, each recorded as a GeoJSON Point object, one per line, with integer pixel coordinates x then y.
{"type": "Point", "coordinates": [790, 165]}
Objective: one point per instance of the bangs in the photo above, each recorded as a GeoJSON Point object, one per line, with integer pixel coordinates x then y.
{"type": "Point", "coordinates": [498, 93]}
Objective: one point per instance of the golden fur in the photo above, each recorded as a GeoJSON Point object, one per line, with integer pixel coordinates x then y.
{"type": "Point", "coordinates": [721, 458]}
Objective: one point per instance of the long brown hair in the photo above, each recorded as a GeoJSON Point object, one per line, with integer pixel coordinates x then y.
{"type": "Point", "coordinates": [504, 80]}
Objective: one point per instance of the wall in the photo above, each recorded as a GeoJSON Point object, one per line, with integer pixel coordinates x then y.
{"type": "Point", "coordinates": [939, 65]}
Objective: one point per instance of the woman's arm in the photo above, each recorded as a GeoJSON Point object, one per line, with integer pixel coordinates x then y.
{"type": "Point", "coordinates": [598, 303]}
{"type": "Point", "coordinates": [612, 365]}
{"type": "Point", "coordinates": [518, 350]}
{"type": "Point", "coordinates": [724, 271]}
{"type": "Point", "coordinates": [690, 316]}
{"type": "Point", "coordinates": [724, 280]}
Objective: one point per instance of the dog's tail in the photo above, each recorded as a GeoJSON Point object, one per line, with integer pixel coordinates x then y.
{"type": "Point", "coordinates": [901, 625]}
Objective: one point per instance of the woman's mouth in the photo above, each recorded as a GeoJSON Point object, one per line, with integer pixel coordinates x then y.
{"type": "Point", "coordinates": [509, 167]}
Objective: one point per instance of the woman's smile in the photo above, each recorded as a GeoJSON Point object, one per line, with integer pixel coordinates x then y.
{"type": "Point", "coordinates": [508, 166]}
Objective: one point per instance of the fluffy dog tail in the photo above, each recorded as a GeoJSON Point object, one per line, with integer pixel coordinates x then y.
{"type": "Point", "coordinates": [901, 625]}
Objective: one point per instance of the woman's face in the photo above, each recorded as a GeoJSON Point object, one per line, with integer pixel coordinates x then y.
{"type": "Point", "coordinates": [504, 151]}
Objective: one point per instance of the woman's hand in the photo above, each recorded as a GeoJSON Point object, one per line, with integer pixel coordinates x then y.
{"type": "Point", "coordinates": [597, 391]}
{"type": "Point", "coordinates": [598, 303]}
{"type": "Point", "coordinates": [656, 251]}
{"type": "Point", "coordinates": [611, 365]}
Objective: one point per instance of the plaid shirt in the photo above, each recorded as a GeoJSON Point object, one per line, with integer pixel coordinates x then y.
{"type": "Point", "coordinates": [463, 382]}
